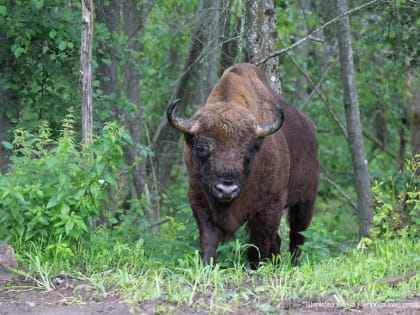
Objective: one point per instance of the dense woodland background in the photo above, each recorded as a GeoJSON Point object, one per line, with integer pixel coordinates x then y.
{"type": "Point", "coordinates": [130, 178]}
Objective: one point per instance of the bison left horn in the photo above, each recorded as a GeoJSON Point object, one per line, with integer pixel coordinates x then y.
{"type": "Point", "coordinates": [182, 125]}
{"type": "Point", "coordinates": [269, 128]}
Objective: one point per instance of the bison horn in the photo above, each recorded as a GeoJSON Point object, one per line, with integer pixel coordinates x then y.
{"type": "Point", "coordinates": [182, 125]}
{"type": "Point", "coordinates": [269, 128]}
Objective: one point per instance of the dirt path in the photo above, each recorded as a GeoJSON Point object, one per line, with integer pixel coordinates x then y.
{"type": "Point", "coordinates": [76, 298]}
{"type": "Point", "coordinates": [33, 302]}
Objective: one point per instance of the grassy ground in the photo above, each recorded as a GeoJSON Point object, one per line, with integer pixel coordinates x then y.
{"type": "Point", "coordinates": [346, 280]}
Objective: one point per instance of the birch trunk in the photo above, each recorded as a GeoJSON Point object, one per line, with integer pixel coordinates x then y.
{"type": "Point", "coordinates": [86, 71]}
{"type": "Point", "coordinates": [261, 37]}
{"type": "Point", "coordinates": [354, 129]}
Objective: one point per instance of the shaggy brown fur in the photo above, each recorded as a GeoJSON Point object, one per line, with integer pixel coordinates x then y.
{"type": "Point", "coordinates": [272, 173]}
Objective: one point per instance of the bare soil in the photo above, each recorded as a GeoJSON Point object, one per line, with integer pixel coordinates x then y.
{"type": "Point", "coordinates": [75, 297]}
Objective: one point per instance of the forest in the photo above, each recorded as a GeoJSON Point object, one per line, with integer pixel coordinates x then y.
{"type": "Point", "coordinates": [94, 190]}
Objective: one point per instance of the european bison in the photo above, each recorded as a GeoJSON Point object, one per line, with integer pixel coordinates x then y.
{"type": "Point", "coordinates": [249, 155]}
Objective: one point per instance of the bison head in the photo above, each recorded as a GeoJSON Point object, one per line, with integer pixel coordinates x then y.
{"type": "Point", "coordinates": [221, 142]}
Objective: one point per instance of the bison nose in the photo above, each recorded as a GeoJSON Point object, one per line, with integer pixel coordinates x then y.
{"type": "Point", "coordinates": [226, 191]}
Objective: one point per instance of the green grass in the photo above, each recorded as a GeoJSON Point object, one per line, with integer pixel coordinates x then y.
{"type": "Point", "coordinates": [128, 269]}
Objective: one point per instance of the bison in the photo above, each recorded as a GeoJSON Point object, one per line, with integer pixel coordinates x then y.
{"type": "Point", "coordinates": [249, 154]}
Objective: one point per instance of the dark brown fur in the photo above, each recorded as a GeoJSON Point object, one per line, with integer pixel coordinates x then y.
{"type": "Point", "coordinates": [277, 172]}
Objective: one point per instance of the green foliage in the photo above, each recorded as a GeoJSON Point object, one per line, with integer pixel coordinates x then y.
{"type": "Point", "coordinates": [402, 31]}
{"type": "Point", "coordinates": [165, 44]}
{"type": "Point", "coordinates": [56, 189]}
{"type": "Point", "coordinates": [39, 64]}
{"type": "Point", "coordinates": [322, 243]}
{"type": "Point", "coordinates": [397, 204]}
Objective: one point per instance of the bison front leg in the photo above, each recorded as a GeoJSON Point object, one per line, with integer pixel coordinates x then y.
{"type": "Point", "coordinates": [264, 237]}
{"type": "Point", "coordinates": [209, 236]}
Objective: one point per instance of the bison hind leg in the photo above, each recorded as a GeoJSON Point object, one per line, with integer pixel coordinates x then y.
{"type": "Point", "coordinates": [299, 216]}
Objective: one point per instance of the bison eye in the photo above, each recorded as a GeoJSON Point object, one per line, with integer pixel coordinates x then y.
{"type": "Point", "coordinates": [202, 151]}
{"type": "Point", "coordinates": [253, 148]}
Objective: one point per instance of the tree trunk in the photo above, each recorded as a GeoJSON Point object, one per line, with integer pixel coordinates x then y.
{"type": "Point", "coordinates": [86, 71]}
{"type": "Point", "coordinates": [109, 13]}
{"type": "Point", "coordinates": [407, 110]}
{"type": "Point", "coordinates": [354, 129]}
{"type": "Point", "coordinates": [7, 101]}
{"type": "Point", "coordinates": [231, 29]}
{"type": "Point", "coordinates": [261, 37]}
{"type": "Point", "coordinates": [133, 17]}
{"type": "Point", "coordinates": [193, 86]}
{"type": "Point", "coordinates": [303, 51]}
{"type": "Point", "coordinates": [414, 88]}
{"type": "Point", "coordinates": [5, 135]}
{"type": "Point", "coordinates": [127, 19]}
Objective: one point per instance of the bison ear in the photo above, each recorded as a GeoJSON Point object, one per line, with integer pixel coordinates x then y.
{"type": "Point", "coordinates": [266, 129]}
{"type": "Point", "coordinates": [183, 125]}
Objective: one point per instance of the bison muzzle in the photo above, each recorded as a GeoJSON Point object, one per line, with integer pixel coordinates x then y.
{"type": "Point", "coordinates": [249, 155]}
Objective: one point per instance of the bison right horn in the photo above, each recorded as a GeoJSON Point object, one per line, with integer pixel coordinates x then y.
{"type": "Point", "coordinates": [182, 125]}
{"type": "Point", "coordinates": [269, 128]}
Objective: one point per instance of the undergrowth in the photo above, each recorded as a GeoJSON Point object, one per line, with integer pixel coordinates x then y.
{"type": "Point", "coordinates": [55, 190]}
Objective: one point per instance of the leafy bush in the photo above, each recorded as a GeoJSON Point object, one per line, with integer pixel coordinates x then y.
{"type": "Point", "coordinates": [56, 188]}
{"type": "Point", "coordinates": [397, 204]}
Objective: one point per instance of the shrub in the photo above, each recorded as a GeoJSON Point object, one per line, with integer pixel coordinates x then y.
{"type": "Point", "coordinates": [397, 204]}
{"type": "Point", "coordinates": [55, 187]}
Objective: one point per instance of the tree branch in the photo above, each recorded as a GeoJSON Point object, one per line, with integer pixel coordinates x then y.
{"type": "Point", "coordinates": [338, 188]}
{"type": "Point", "coordinates": [155, 225]}
{"type": "Point", "coordinates": [321, 95]}
{"type": "Point", "coordinates": [390, 281]}
{"type": "Point", "coordinates": [309, 36]}
{"type": "Point", "coordinates": [317, 89]}
{"type": "Point", "coordinates": [317, 86]}
{"type": "Point", "coordinates": [369, 135]}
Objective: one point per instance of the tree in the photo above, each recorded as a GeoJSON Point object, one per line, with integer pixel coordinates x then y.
{"type": "Point", "coordinates": [134, 16]}
{"type": "Point", "coordinates": [5, 124]}
{"type": "Point", "coordinates": [5, 135]}
{"type": "Point", "coordinates": [39, 54]}
{"type": "Point", "coordinates": [199, 74]}
{"type": "Point", "coordinates": [86, 70]}
{"type": "Point", "coordinates": [108, 16]}
{"type": "Point", "coordinates": [354, 128]}
{"type": "Point", "coordinates": [261, 37]}
{"type": "Point", "coordinates": [414, 88]}
{"type": "Point", "coordinates": [119, 77]}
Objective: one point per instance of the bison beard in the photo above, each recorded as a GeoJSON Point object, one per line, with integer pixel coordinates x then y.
{"type": "Point", "coordinates": [245, 165]}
